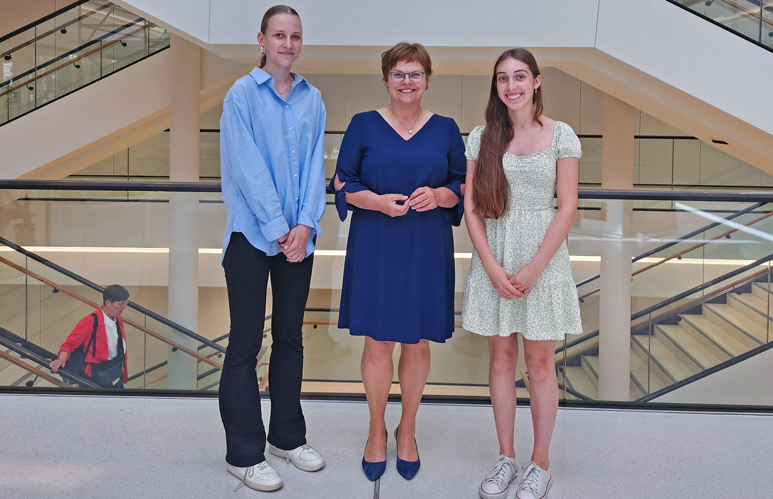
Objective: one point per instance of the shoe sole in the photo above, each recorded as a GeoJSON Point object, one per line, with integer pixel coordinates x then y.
{"type": "Point", "coordinates": [301, 466]}
{"type": "Point", "coordinates": [262, 488]}
{"type": "Point", "coordinates": [501, 495]}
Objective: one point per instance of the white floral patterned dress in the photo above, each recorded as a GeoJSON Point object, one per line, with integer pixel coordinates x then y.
{"type": "Point", "coordinates": [550, 309]}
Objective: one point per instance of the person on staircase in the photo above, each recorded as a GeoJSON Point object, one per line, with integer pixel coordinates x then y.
{"type": "Point", "coordinates": [93, 349]}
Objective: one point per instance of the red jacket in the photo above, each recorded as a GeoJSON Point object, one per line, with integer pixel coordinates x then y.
{"type": "Point", "coordinates": [80, 336]}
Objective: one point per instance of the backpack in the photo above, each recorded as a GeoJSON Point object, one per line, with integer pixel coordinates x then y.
{"type": "Point", "coordinates": [77, 360]}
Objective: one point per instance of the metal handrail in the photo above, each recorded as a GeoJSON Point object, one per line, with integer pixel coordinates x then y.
{"type": "Point", "coordinates": [683, 252]}
{"type": "Point", "coordinates": [38, 355]}
{"type": "Point", "coordinates": [681, 239]}
{"type": "Point", "coordinates": [42, 20]}
{"type": "Point", "coordinates": [594, 194]}
{"type": "Point", "coordinates": [73, 51]}
{"type": "Point", "coordinates": [723, 26]}
{"type": "Point", "coordinates": [678, 297]}
{"type": "Point", "coordinates": [96, 287]}
{"type": "Point", "coordinates": [54, 29]}
{"type": "Point", "coordinates": [135, 325]}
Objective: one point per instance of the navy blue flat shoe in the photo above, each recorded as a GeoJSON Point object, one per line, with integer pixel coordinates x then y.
{"type": "Point", "coordinates": [374, 470]}
{"type": "Point", "coordinates": [408, 469]}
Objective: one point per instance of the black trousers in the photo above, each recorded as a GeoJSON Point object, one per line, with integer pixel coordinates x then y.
{"type": "Point", "coordinates": [246, 271]}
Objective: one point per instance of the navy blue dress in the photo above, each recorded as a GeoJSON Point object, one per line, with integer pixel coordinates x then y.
{"type": "Point", "coordinates": [399, 272]}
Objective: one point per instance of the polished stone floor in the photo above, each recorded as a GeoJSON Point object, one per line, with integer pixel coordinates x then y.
{"type": "Point", "coordinates": [96, 447]}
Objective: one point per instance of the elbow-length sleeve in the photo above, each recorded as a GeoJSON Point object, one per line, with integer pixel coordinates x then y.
{"type": "Point", "coordinates": [457, 170]}
{"type": "Point", "coordinates": [348, 167]}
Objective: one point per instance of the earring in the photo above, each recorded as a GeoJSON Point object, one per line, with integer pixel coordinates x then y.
{"type": "Point", "coordinates": [262, 49]}
{"type": "Point", "coordinates": [535, 90]}
{"type": "Point", "coordinates": [299, 54]}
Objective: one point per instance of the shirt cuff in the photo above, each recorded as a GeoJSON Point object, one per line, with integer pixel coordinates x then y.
{"type": "Point", "coordinates": [308, 221]}
{"type": "Point", "coordinates": [275, 228]}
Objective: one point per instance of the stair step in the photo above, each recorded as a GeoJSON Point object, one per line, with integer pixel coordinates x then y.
{"type": "Point", "coordinates": [751, 306]}
{"type": "Point", "coordinates": [578, 381]}
{"type": "Point", "coordinates": [761, 290]}
{"type": "Point", "coordinates": [714, 335]}
{"type": "Point", "coordinates": [684, 345]}
{"type": "Point", "coordinates": [666, 360]}
{"type": "Point", "coordinates": [731, 320]}
{"type": "Point", "coordinates": [650, 382]}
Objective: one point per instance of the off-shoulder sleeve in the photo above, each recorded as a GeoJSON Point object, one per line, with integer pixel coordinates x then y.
{"type": "Point", "coordinates": [568, 144]}
{"type": "Point", "coordinates": [473, 143]}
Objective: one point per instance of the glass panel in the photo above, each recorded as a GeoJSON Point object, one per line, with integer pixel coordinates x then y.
{"type": "Point", "coordinates": [767, 23]}
{"type": "Point", "coordinates": [114, 236]}
{"type": "Point", "coordinates": [741, 16]}
{"type": "Point", "coordinates": [74, 48]}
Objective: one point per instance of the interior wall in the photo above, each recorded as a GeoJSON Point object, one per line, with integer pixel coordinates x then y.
{"type": "Point", "coordinates": [658, 160]}
{"type": "Point", "coordinates": [18, 13]}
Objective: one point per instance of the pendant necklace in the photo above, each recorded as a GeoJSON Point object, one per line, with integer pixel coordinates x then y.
{"type": "Point", "coordinates": [286, 91]}
{"type": "Point", "coordinates": [410, 128]}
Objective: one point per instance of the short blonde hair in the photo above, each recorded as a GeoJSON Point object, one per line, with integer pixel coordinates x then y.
{"type": "Point", "coordinates": [408, 52]}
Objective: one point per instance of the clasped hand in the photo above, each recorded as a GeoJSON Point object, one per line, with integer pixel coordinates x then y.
{"type": "Point", "coordinates": [422, 199]}
{"type": "Point", "coordinates": [516, 286]}
{"type": "Point", "coordinates": [293, 244]}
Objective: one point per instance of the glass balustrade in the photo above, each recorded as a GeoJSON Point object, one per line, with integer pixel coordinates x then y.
{"type": "Point", "coordinates": [699, 286]}
{"type": "Point", "coordinates": [752, 19]}
{"type": "Point", "coordinates": [64, 52]}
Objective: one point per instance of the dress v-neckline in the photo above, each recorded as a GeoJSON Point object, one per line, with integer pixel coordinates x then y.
{"type": "Point", "coordinates": [414, 134]}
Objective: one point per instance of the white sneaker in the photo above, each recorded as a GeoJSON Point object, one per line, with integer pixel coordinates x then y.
{"type": "Point", "coordinates": [304, 457]}
{"type": "Point", "coordinates": [259, 477]}
{"type": "Point", "coordinates": [536, 482]}
{"type": "Point", "coordinates": [497, 480]}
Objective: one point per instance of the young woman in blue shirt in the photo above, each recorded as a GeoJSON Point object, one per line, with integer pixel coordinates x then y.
{"type": "Point", "coordinates": [273, 184]}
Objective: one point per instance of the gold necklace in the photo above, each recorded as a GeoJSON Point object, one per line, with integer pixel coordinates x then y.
{"type": "Point", "coordinates": [286, 91]}
{"type": "Point", "coordinates": [410, 129]}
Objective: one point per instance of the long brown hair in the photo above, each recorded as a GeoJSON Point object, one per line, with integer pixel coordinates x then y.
{"type": "Point", "coordinates": [273, 11]}
{"type": "Point", "coordinates": [491, 190]}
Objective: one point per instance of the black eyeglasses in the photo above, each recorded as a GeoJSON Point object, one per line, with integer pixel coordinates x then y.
{"type": "Point", "coordinates": [399, 76]}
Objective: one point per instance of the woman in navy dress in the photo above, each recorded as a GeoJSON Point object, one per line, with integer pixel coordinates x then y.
{"type": "Point", "coordinates": [400, 171]}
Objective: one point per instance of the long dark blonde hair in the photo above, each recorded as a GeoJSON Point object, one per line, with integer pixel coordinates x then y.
{"type": "Point", "coordinates": [273, 11]}
{"type": "Point", "coordinates": [491, 191]}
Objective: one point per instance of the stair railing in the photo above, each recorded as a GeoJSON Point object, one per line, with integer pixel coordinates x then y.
{"type": "Point", "coordinates": [38, 355]}
{"type": "Point", "coordinates": [674, 299]}
{"type": "Point", "coordinates": [96, 287]}
{"type": "Point", "coordinates": [126, 321]}
{"type": "Point", "coordinates": [679, 254]}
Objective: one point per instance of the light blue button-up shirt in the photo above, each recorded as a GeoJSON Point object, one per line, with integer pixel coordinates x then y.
{"type": "Point", "coordinates": [271, 160]}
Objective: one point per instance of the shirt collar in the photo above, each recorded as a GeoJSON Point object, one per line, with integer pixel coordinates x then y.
{"type": "Point", "coordinates": [262, 77]}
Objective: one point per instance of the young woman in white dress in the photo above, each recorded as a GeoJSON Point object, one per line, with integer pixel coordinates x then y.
{"type": "Point", "coordinates": [520, 277]}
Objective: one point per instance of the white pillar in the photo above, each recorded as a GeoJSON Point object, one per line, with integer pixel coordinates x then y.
{"type": "Point", "coordinates": [185, 85]}
{"type": "Point", "coordinates": [618, 129]}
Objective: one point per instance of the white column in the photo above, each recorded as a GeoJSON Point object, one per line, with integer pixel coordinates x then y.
{"type": "Point", "coordinates": [185, 85]}
{"type": "Point", "coordinates": [618, 129]}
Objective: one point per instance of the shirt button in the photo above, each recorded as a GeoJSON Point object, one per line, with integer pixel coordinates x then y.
{"type": "Point", "coordinates": [287, 105]}
{"type": "Point", "coordinates": [293, 151]}
{"type": "Point", "coordinates": [291, 128]}
{"type": "Point", "coordinates": [295, 175]}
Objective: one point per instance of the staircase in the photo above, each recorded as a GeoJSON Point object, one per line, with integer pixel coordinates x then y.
{"type": "Point", "coordinates": [695, 340]}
